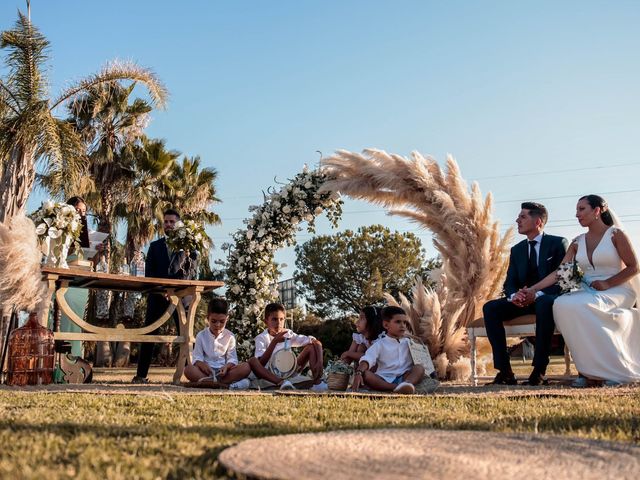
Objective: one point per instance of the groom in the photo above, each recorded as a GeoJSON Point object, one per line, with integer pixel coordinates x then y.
{"type": "Point", "coordinates": [161, 263]}
{"type": "Point", "coordinates": [531, 260]}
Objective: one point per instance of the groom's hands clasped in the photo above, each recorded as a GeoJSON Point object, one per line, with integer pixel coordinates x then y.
{"type": "Point", "coordinates": [524, 297]}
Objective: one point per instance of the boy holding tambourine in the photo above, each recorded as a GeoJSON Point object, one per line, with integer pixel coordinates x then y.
{"type": "Point", "coordinates": [275, 362]}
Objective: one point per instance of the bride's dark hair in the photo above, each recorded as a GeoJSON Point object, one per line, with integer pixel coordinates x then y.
{"type": "Point", "coordinates": [595, 201]}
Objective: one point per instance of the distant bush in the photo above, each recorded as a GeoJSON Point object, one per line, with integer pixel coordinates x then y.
{"type": "Point", "coordinates": [335, 335]}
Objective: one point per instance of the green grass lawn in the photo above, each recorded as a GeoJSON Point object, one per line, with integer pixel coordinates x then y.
{"type": "Point", "coordinates": [78, 435]}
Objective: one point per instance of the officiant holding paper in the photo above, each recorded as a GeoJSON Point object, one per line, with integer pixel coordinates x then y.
{"type": "Point", "coordinates": [77, 297]}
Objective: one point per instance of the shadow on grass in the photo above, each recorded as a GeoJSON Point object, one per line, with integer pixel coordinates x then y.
{"type": "Point", "coordinates": [516, 423]}
{"type": "Point", "coordinates": [205, 465]}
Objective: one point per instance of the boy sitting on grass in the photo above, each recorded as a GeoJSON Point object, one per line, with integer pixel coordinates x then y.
{"type": "Point", "coordinates": [214, 355]}
{"type": "Point", "coordinates": [272, 340]}
{"type": "Point", "coordinates": [396, 371]}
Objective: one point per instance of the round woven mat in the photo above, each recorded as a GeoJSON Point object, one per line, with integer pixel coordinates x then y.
{"type": "Point", "coordinates": [430, 454]}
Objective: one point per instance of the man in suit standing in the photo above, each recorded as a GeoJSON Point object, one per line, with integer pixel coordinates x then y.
{"type": "Point", "coordinates": [161, 263]}
{"type": "Point", "coordinates": [531, 260]}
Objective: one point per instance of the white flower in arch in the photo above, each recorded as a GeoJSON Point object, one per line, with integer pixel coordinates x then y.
{"type": "Point", "coordinates": [251, 268]}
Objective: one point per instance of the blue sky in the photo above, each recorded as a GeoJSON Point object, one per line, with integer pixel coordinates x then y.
{"type": "Point", "coordinates": [536, 100]}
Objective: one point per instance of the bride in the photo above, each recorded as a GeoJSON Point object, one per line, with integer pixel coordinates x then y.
{"type": "Point", "coordinates": [599, 322]}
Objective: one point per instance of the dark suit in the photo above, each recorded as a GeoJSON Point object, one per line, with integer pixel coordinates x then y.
{"type": "Point", "coordinates": [552, 251]}
{"type": "Point", "coordinates": [160, 264]}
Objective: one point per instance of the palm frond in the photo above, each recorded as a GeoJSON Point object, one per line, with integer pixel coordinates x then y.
{"type": "Point", "coordinates": [27, 52]}
{"type": "Point", "coordinates": [118, 71]}
{"type": "Point", "coordinates": [8, 100]}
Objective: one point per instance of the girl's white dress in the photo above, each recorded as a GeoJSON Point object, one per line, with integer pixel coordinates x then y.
{"type": "Point", "coordinates": [360, 339]}
{"type": "Point", "coordinates": [601, 328]}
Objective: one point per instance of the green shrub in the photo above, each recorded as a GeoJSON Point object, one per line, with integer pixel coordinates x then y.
{"type": "Point", "coordinates": [335, 335]}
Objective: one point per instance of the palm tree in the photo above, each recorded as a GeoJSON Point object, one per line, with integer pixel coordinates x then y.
{"type": "Point", "coordinates": [111, 128]}
{"type": "Point", "coordinates": [29, 130]}
{"type": "Point", "coordinates": [143, 206]}
{"type": "Point", "coordinates": [141, 210]}
{"type": "Point", "coordinates": [191, 190]}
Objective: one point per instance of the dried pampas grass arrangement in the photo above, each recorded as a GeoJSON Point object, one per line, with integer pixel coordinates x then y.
{"type": "Point", "coordinates": [21, 285]}
{"type": "Point", "coordinates": [474, 255]}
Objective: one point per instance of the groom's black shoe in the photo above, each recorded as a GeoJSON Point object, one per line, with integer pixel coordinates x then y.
{"type": "Point", "coordinates": [536, 378]}
{"type": "Point", "coordinates": [507, 378]}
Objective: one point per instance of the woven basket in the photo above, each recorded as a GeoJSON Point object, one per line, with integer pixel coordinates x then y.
{"type": "Point", "coordinates": [338, 381]}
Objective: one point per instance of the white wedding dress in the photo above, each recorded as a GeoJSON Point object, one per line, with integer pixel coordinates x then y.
{"type": "Point", "coordinates": [601, 328]}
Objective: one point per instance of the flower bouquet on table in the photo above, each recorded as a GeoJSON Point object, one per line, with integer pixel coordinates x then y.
{"type": "Point", "coordinates": [569, 276]}
{"type": "Point", "coordinates": [338, 374]}
{"type": "Point", "coordinates": [58, 226]}
{"type": "Point", "coordinates": [187, 242]}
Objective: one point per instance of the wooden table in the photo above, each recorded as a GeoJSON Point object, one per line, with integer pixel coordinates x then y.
{"type": "Point", "coordinates": [60, 279]}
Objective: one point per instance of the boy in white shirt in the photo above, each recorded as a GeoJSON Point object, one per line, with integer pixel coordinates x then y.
{"type": "Point", "coordinates": [214, 354]}
{"type": "Point", "coordinates": [272, 340]}
{"type": "Point", "coordinates": [396, 371]}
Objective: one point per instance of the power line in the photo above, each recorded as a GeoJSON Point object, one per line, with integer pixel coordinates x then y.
{"type": "Point", "coordinates": [549, 172]}
{"type": "Point", "coordinates": [382, 210]}
{"type": "Point", "coordinates": [575, 195]}
{"type": "Point", "coordinates": [508, 175]}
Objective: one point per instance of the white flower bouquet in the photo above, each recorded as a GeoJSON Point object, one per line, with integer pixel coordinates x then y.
{"type": "Point", "coordinates": [188, 236]}
{"type": "Point", "coordinates": [188, 241]}
{"type": "Point", "coordinates": [569, 276]}
{"type": "Point", "coordinates": [58, 226]}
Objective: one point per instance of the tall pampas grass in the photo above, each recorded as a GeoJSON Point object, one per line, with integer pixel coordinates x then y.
{"type": "Point", "coordinates": [474, 254]}
{"type": "Point", "coordinates": [21, 285]}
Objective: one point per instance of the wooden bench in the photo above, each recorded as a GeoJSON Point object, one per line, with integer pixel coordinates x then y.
{"type": "Point", "coordinates": [523, 326]}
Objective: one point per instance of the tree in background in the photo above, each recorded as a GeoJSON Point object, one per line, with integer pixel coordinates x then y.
{"type": "Point", "coordinates": [191, 190]}
{"type": "Point", "coordinates": [341, 273]}
{"type": "Point", "coordinates": [29, 130]}
{"type": "Point", "coordinates": [111, 126]}
{"type": "Point", "coordinates": [142, 206]}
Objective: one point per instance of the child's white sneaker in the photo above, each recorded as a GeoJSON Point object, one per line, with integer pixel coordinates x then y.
{"type": "Point", "coordinates": [240, 384]}
{"type": "Point", "coordinates": [287, 385]}
{"type": "Point", "coordinates": [320, 387]}
{"type": "Point", "coordinates": [405, 388]}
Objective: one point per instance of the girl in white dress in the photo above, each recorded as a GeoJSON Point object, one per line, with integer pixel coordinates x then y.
{"type": "Point", "coordinates": [599, 322]}
{"type": "Point", "coordinates": [368, 329]}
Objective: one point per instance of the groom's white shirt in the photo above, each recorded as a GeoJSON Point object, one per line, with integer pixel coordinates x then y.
{"type": "Point", "coordinates": [538, 240]}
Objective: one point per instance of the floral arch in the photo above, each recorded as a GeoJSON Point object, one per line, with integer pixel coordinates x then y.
{"type": "Point", "coordinates": [474, 253]}
{"type": "Point", "coordinates": [251, 271]}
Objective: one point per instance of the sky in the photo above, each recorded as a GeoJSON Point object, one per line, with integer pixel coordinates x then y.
{"type": "Point", "coordinates": [536, 100]}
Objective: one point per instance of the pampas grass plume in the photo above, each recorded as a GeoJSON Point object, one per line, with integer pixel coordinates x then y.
{"type": "Point", "coordinates": [21, 285]}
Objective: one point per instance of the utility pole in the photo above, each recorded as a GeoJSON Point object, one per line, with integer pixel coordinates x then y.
{"type": "Point", "coordinates": [29, 10]}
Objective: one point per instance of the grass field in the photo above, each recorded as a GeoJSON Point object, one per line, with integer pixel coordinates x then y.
{"type": "Point", "coordinates": [169, 435]}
